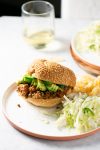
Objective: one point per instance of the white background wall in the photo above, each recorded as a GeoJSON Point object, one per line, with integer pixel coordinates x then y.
{"type": "Point", "coordinates": [81, 9]}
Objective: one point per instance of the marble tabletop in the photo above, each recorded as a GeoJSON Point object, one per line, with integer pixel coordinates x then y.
{"type": "Point", "coordinates": [15, 56]}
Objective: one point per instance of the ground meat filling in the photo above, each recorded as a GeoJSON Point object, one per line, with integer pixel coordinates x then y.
{"type": "Point", "coordinates": [31, 91]}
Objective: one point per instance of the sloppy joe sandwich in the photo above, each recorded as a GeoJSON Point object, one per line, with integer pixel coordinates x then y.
{"type": "Point", "coordinates": [45, 83]}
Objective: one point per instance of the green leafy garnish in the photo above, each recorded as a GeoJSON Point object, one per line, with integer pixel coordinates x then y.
{"type": "Point", "coordinates": [92, 47]}
{"type": "Point", "coordinates": [47, 83]}
{"type": "Point", "coordinates": [70, 120]}
{"type": "Point", "coordinates": [34, 82]}
{"type": "Point", "coordinates": [26, 79]}
{"type": "Point", "coordinates": [97, 31]}
{"type": "Point", "coordinates": [61, 85]}
{"type": "Point", "coordinates": [41, 85]}
{"type": "Point", "coordinates": [88, 111]}
{"type": "Point", "coordinates": [52, 87]}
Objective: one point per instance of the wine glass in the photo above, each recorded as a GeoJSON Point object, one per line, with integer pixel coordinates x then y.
{"type": "Point", "coordinates": [38, 21]}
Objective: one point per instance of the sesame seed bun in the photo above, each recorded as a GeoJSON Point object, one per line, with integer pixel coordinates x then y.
{"type": "Point", "coordinates": [53, 72]}
{"type": "Point", "coordinates": [50, 71]}
{"type": "Point", "coordinates": [44, 102]}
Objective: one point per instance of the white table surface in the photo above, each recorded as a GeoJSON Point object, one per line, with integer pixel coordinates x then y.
{"type": "Point", "coordinates": [15, 56]}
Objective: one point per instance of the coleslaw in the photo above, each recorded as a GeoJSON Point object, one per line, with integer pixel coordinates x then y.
{"type": "Point", "coordinates": [88, 40]}
{"type": "Point", "coordinates": [80, 111]}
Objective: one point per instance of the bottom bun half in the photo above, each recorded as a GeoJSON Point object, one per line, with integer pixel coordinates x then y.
{"type": "Point", "coordinates": [44, 102]}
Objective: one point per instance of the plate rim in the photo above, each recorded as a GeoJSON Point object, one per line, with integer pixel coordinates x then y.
{"type": "Point", "coordinates": [83, 64]}
{"type": "Point", "coordinates": [72, 46]}
{"type": "Point", "coordinates": [42, 136]}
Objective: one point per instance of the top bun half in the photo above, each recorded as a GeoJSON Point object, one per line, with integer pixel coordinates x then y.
{"type": "Point", "coordinates": [53, 72]}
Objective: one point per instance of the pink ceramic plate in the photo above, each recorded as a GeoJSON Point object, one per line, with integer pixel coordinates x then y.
{"type": "Point", "coordinates": [88, 61]}
{"type": "Point", "coordinates": [32, 120]}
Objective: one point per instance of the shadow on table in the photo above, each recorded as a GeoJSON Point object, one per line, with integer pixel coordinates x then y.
{"type": "Point", "coordinates": [74, 143]}
{"type": "Point", "coordinates": [79, 143]}
{"type": "Point", "coordinates": [57, 46]}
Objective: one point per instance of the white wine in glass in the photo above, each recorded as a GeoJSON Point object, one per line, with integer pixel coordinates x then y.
{"type": "Point", "coordinates": [39, 39]}
{"type": "Point", "coordinates": [38, 19]}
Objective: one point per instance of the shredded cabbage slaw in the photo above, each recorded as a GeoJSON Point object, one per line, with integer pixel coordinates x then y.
{"type": "Point", "coordinates": [89, 38]}
{"type": "Point", "coordinates": [80, 111]}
